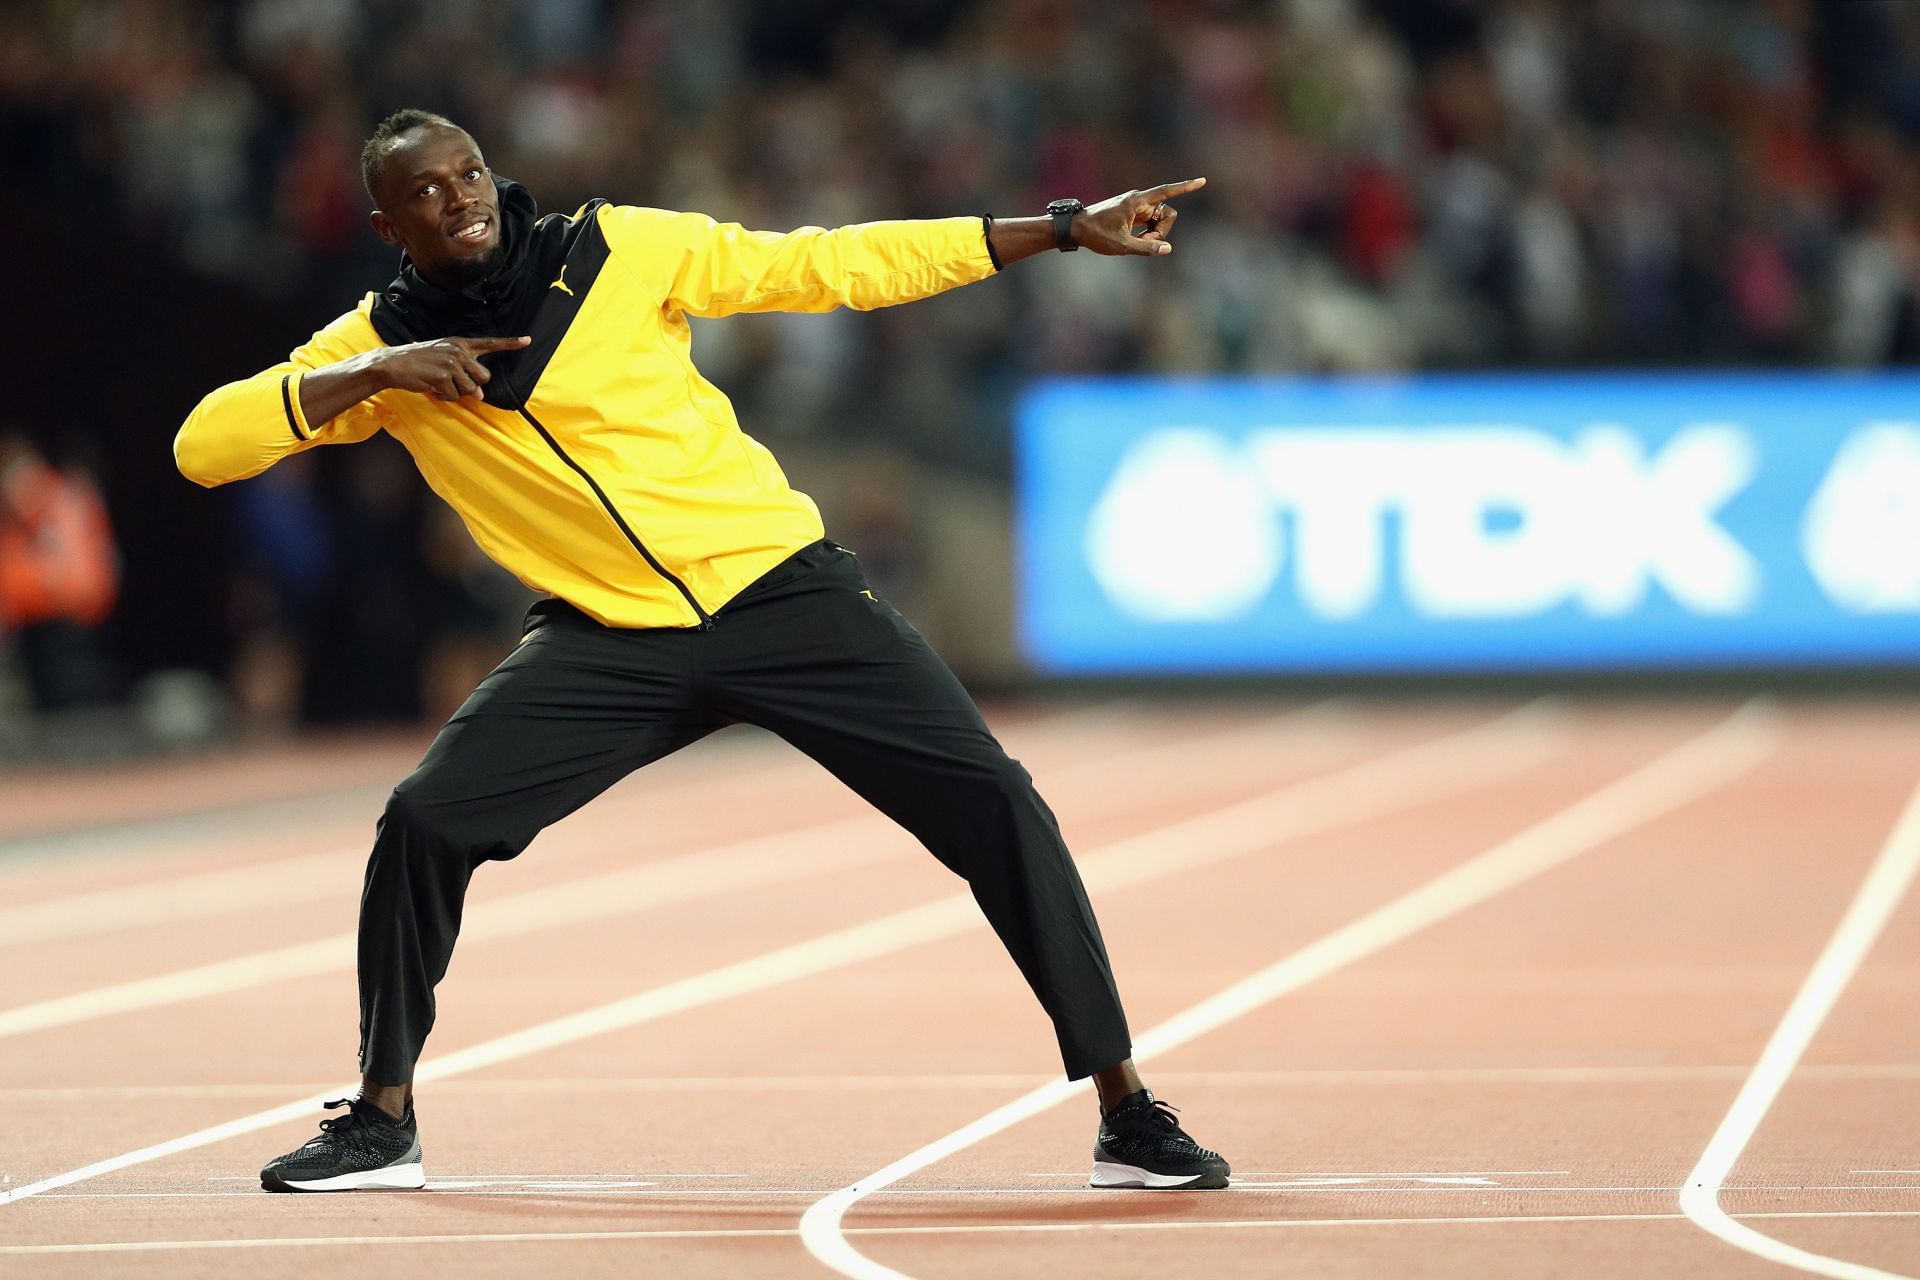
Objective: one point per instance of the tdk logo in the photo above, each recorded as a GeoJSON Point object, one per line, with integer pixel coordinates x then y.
{"type": "Point", "coordinates": [1861, 536]}
{"type": "Point", "coordinates": [1487, 522]}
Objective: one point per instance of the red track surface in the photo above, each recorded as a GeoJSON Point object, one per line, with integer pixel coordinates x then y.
{"type": "Point", "coordinates": [1519, 1088]}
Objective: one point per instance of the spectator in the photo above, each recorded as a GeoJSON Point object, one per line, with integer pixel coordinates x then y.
{"type": "Point", "coordinates": [59, 575]}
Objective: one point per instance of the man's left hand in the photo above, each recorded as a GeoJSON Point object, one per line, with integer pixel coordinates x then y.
{"type": "Point", "coordinates": [1135, 222]}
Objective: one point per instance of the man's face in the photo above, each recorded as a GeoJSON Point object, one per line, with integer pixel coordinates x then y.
{"type": "Point", "coordinates": [437, 201]}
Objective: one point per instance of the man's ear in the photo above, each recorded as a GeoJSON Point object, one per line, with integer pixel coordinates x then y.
{"type": "Point", "coordinates": [384, 228]}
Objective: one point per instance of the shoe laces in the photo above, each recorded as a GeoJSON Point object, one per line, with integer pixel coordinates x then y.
{"type": "Point", "coordinates": [359, 1112]}
{"type": "Point", "coordinates": [1163, 1115]}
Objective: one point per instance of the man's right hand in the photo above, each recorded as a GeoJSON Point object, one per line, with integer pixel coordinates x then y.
{"type": "Point", "coordinates": [446, 368]}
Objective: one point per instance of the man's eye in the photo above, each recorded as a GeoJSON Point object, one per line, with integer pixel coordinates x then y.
{"type": "Point", "coordinates": [427, 190]}
{"type": "Point", "coordinates": [474, 174]}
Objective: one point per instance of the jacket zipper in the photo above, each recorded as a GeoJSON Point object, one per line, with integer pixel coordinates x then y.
{"type": "Point", "coordinates": [706, 619]}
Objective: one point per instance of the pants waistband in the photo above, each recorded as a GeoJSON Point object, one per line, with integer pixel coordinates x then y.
{"type": "Point", "coordinates": [814, 555]}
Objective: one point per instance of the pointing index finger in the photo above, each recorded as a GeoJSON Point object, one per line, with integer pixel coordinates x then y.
{"type": "Point", "coordinates": [1168, 190]}
{"type": "Point", "coordinates": [487, 346]}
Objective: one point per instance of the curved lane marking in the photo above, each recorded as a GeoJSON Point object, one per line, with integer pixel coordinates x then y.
{"type": "Point", "coordinates": [1698, 766]}
{"type": "Point", "coordinates": [1886, 884]}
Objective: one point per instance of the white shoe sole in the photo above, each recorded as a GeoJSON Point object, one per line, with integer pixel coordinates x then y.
{"type": "Point", "coordinates": [393, 1177]}
{"type": "Point", "coordinates": [1129, 1178]}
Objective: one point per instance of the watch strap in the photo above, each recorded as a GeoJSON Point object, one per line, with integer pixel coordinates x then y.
{"type": "Point", "coordinates": [1062, 211]}
{"type": "Point", "coordinates": [1063, 229]}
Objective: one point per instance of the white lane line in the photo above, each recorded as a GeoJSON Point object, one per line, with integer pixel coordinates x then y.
{"type": "Point", "coordinates": [230, 890]}
{"type": "Point", "coordinates": [1000, 1080]}
{"type": "Point", "coordinates": [584, 1178]}
{"type": "Point", "coordinates": [306, 877]}
{"type": "Point", "coordinates": [1683, 774]}
{"type": "Point", "coordinates": [783, 856]}
{"type": "Point", "coordinates": [718, 759]}
{"type": "Point", "coordinates": [1514, 1075]}
{"type": "Point", "coordinates": [137, 841]}
{"type": "Point", "coordinates": [1879, 894]}
{"type": "Point", "coordinates": [1384, 784]}
{"type": "Point", "coordinates": [1295, 1190]}
{"type": "Point", "coordinates": [191, 897]}
{"type": "Point", "coordinates": [961, 1229]}
{"type": "Point", "coordinates": [1348, 1173]}
{"type": "Point", "coordinates": [761, 861]}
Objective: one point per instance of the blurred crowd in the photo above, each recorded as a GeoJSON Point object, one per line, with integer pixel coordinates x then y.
{"type": "Point", "coordinates": [1393, 183]}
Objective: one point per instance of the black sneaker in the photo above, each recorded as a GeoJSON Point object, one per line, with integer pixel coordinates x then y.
{"type": "Point", "coordinates": [363, 1148]}
{"type": "Point", "coordinates": [1142, 1146]}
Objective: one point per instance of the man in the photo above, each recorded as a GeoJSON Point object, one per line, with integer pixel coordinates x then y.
{"type": "Point", "coordinates": [538, 370]}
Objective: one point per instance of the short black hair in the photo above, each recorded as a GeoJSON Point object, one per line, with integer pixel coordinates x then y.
{"type": "Point", "coordinates": [387, 132]}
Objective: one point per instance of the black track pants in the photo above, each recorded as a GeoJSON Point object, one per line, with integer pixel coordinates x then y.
{"type": "Point", "coordinates": [807, 652]}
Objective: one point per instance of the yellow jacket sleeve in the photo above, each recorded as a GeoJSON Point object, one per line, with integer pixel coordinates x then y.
{"type": "Point", "coordinates": [245, 427]}
{"type": "Point", "coordinates": [707, 268]}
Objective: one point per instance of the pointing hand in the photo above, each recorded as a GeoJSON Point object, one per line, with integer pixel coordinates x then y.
{"type": "Point", "coordinates": [446, 368]}
{"type": "Point", "coordinates": [1136, 222]}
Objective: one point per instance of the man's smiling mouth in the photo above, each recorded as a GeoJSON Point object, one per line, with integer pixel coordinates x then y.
{"type": "Point", "coordinates": [474, 231]}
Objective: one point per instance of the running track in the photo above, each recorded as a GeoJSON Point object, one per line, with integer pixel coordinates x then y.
{"type": "Point", "coordinates": [1465, 989]}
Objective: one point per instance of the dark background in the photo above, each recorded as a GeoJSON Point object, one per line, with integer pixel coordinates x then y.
{"type": "Point", "coordinates": [1394, 184]}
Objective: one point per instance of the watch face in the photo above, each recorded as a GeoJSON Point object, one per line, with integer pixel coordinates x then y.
{"type": "Point", "coordinates": [1064, 206]}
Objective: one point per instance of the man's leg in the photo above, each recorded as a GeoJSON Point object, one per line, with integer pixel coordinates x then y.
{"type": "Point", "coordinates": [576, 707]}
{"type": "Point", "coordinates": [570, 712]}
{"type": "Point", "coordinates": [838, 673]}
{"type": "Point", "coordinates": [815, 656]}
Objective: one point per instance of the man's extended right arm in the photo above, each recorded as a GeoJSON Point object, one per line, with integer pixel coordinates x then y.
{"type": "Point", "coordinates": [321, 394]}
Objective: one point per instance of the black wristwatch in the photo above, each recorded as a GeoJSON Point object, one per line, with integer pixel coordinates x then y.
{"type": "Point", "coordinates": [1062, 211]}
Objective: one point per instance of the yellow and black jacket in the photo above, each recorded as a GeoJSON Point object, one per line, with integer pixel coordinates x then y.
{"type": "Point", "coordinates": [601, 467]}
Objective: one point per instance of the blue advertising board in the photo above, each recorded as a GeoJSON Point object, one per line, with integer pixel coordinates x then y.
{"type": "Point", "coordinates": [1469, 523]}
